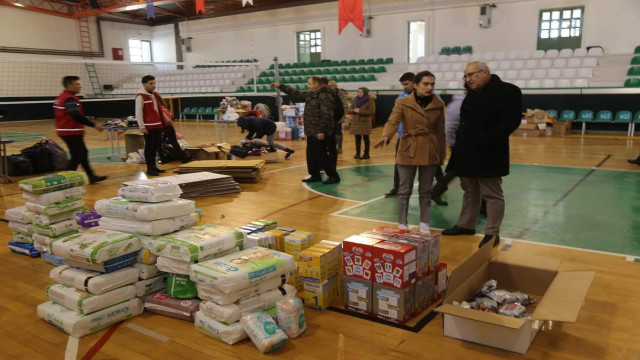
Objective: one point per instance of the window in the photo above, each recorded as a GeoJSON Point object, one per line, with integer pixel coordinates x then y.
{"type": "Point", "coordinates": [560, 28]}
{"type": "Point", "coordinates": [309, 44]}
{"type": "Point", "coordinates": [140, 50]}
{"type": "Point", "coordinates": [417, 40]}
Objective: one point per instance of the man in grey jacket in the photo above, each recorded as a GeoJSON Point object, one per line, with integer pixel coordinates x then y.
{"type": "Point", "coordinates": [318, 127]}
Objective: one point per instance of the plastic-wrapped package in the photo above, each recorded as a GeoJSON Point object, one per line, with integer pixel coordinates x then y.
{"type": "Point", "coordinates": [513, 310]}
{"type": "Point", "coordinates": [147, 271]}
{"type": "Point", "coordinates": [43, 219]}
{"type": "Point", "coordinates": [244, 269]}
{"type": "Point", "coordinates": [19, 237]}
{"type": "Point", "coordinates": [150, 191]}
{"type": "Point", "coordinates": [66, 206]}
{"type": "Point", "coordinates": [227, 333]}
{"type": "Point", "coordinates": [53, 182]}
{"type": "Point", "coordinates": [291, 318]}
{"type": "Point", "coordinates": [523, 299]}
{"type": "Point", "coordinates": [263, 331]}
{"type": "Point", "coordinates": [196, 243]}
{"type": "Point", "coordinates": [87, 218]}
{"type": "Point", "coordinates": [79, 325]}
{"type": "Point", "coordinates": [488, 287]}
{"type": "Point", "coordinates": [95, 246]}
{"type": "Point", "coordinates": [57, 229]}
{"type": "Point", "coordinates": [484, 303]}
{"type": "Point", "coordinates": [232, 312]}
{"type": "Point", "coordinates": [91, 281]}
{"type": "Point", "coordinates": [53, 260]}
{"type": "Point", "coordinates": [502, 297]}
{"type": "Point", "coordinates": [55, 197]}
{"type": "Point", "coordinates": [149, 286]}
{"type": "Point", "coordinates": [108, 266]}
{"type": "Point", "coordinates": [150, 228]}
{"type": "Point", "coordinates": [20, 227]}
{"type": "Point", "coordinates": [47, 240]}
{"type": "Point", "coordinates": [217, 296]}
{"type": "Point", "coordinates": [181, 287]}
{"type": "Point", "coordinates": [23, 249]}
{"type": "Point", "coordinates": [183, 267]}
{"type": "Point", "coordinates": [123, 208]}
{"type": "Point", "coordinates": [87, 303]}
{"type": "Point", "coordinates": [145, 256]}
{"type": "Point", "coordinates": [19, 214]}
{"type": "Point", "coordinates": [164, 305]}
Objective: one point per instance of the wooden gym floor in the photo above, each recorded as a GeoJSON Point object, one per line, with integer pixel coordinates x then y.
{"type": "Point", "coordinates": [606, 327]}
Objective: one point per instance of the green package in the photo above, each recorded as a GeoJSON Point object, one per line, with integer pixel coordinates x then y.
{"type": "Point", "coordinates": [181, 287]}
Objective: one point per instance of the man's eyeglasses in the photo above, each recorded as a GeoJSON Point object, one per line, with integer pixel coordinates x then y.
{"type": "Point", "coordinates": [469, 75]}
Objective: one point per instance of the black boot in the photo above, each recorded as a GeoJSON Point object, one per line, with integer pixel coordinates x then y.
{"type": "Point", "coordinates": [456, 230]}
{"type": "Point", "coordinates": [96, 179]}
{"type": "Point", "coordinates": [152, 172]}
{"type": "Point", "coordinates": [488, 238]}
{"type": "Point", "coordinates": [289, 152]}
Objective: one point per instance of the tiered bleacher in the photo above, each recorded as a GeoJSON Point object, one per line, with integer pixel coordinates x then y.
{"type": "Point", "coordinates": [633, 74]}
{"type": "Point", "coordinates": [566, 68]}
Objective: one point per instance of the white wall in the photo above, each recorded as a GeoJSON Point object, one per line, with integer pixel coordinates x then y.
{"type": "Point", "coordinates": [163, 45]}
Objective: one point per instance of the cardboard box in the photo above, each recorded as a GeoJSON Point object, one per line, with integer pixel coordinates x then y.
{"type": "Point", "coordinates": [358, 295]}
{"type": "Point", "coordinates": [425, 293]}
{"type": "Point", "coordinates": [561, 128]}
{"type": "Point", "coordinates": [427, 245]}
{"type": "Point", "coordinates": [392, 304]}
{"type": "Point", "coordinates": [270, 157]}
{"type": "Point", "coordinates": [317, 295]}
{"type": "Point", "coordinates": [279, 234]}
{"type": "Point", "coordinates": [297, 241]}
{"type": "Point", "coordinates": [133, 142]}
{"type": "Point", "coordinates": [203, 152]}
{"type": "Point", "coordinates": [529, 133]}
{"type": "Point", "coordinates": [394, 264]}
{"type": "Point", "coordinates": [441, 280]}
{"type": "Point", "coordinates": [357, 255]}
{"type": "Point", "coordinates": [536, 116]}
{"type": "Point", "coordinates": [559, 297]}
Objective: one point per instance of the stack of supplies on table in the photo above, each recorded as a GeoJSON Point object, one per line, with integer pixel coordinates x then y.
{"type": "Point", "coordinates": [197, 184]}
{"type": "Point", "coordinates": [176, 253]}
{"type": "Point", "coordinates": [249, 281]}
{"type": "Point", "coordinates": [240, 170]}
{"type": "Point", "coordinates": [53, 199]}
{"type": "Point", "coordinates": [96, 288]}
{"type": "Point", "coordinates": [392, 274]}
{"type": "Point", "coordinates": [148, 209]}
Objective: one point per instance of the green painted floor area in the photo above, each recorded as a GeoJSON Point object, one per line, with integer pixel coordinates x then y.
{"type": "Point", "coordinates": [21, 136]}
{"type": "Point", "coordinates": [101, 155]}
{"type": "Point", "coordinates": [595, 210]}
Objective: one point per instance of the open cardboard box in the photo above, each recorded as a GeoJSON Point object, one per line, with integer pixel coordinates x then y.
{"type": "Point", "coordinates": [559, 297]}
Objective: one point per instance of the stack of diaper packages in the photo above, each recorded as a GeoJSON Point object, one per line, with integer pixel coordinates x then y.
{"type": "Point", "coordinates": [96, 288]}
{"type": "Point", "coordinates": [20, 221]}
{"type": "Point", "coordinates": [53, 199]}
{"type": "Point", "coordinates": [176, 254]}
{"type": "Point", "coordinates": [246, 282]}
{"type": "Point", "coordinates": [147, 210]}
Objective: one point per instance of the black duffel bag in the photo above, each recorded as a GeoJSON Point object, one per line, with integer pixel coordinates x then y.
{"type": "Point", "coordinates": [18, 165]}
{"type": "Point", "coordinates": [239, 151]}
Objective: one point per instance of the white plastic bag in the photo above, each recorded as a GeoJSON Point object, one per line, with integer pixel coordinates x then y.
{"type": "Point", "coordinates": [291, 318]}
{"type": "Point", "coordinates": [263, 331]}
{"type": "Point", "coordinates": [230, 114]}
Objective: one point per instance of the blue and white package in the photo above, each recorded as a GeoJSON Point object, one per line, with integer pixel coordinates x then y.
{"type": "Point", "coordinates": [23, 249]}
{"type": "Point", "coordinates": [54, 260]}
{"type": "Point", "coordinates": [109, 265]}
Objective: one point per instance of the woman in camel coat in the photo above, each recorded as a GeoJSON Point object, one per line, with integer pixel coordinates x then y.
{"type": "Point", "coordinates": [361, 110]}
{"type": "Point", "coordinates": [422, 146]}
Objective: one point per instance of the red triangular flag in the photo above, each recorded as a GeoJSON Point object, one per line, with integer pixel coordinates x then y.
{"type": "Point", "coordinates": [199, 6]}
{"type": "Point", "coordinates": [350, 11]}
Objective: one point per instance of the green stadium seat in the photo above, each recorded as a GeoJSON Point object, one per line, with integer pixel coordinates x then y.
{"type": "Point", "coordinates": [342, 78]}
{"type": "Point", "coordinates": [271, 73]}
{"type": "Point", "coordinates": [353, 70]}
{"type": "Point", "coordinates": [335, 63]}
{"type": "Point", "coordinates": [311, 72]}
{"type": "Point", "coordinates": [467, 49]}
{"type": "Point", "coordinates": [553, 114]}
{"type": "Point", "coordinates": [351, 78]}
{"type": "Point", "coordinates": [362, 70]}
{"type": "Point", "coordinates": [370, 77]}
{"type": "Point", "coordinates": [633, 71]}
{"type": "Point", "coordinates": [250, 82]}
{"type": "Point", "coordinates": [333, 78]}
{"type": "Point", "coordinates": [604, 116]}
{"type": "Point", "coordinates": [300, 79]}
{"type": "Point", "coordinates": [344, 62]}
{"type": "Point", "coordinates": [635, 60]}
{"type": "Point", "coordinates": [240, 89]}
{"type": "Point", "coordinates": [637, 50]}
{"type": "Point", "coordinates": [361, 62]}
{"type": "Point", "coordinates": [381, 69]}
{"type": "Point", "coordinates": [297, 87]}
{"type": "Point", "coordinates": [305, 65]}
{"type": "Point", "coordinates": [334, 71]}
{"type": "Point", "coordinates": [371, 61]}
{"type": "Point", "coordinates": [636, 118]}
{"type": "Point", "coordinates": [295, 66]}
{"type": "Point", "coordinates": [585, 116]}
{"type": "Point", "coordinates": [388, 61]}
{"type": "Point", "coordinates": [371, 69]}
{"type": "Point", "coordinates": [567, 115]}
{"type": "Point", "coordinates": [209, 111]}
{"type": "Point", "coordinates": [360, 78]}
{"type": "Point", "coordinates": [379, 61]}
{"type": "Point", "coordinates": [445, 50]}
{"type": "Point", "coordinates": [325, 71]}
{"type": "Point", "coordinates": [632, 82]}
{"type": "Point", "coordinates": [624, 117]}
{"type": "Point", "coordinates": [456, 50]}
{"type": "Point", "coordinates": [352, 62]}
{"type": "Point", "coordinates": [263, 74]}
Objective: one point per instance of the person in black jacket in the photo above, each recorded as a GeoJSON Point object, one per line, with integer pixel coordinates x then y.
{"type": "Point", "coordinates": [258, 128]}
{"type": "Point", "coordinates": [490, 112]}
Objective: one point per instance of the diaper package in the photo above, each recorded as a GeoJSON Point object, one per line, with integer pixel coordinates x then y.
{"type": "Point", "coordinates": [47, 240]}
{"type": "Point", "coordinates": [149, 286]}
{"type": "Point", "coordinates": [43, 219]}
{"type": "Point", "coordinates": [123, 208]}
{"type": "Point", "coordinates": [291, 318]}
{"type": "Point", "coordinates": [145, 256]}
{"type": "Point", "coordinates": [150, 191]}
{"type": "Point", "coordinates": [23, 249]}
{"type": "Point", "coordinates": [19, 214]}
{"type": "Point", "coordinates": [183, 267]}
{"type": "Point", "coordinates": [243, 269]}
{"type": "Point", "coordinates": [53, 260]}
{"type": "Point", "coordinates": [91, 281]}
{"type": "Point", "coordinates": [217, 296]}
{"type": "Point", "coordinates": [263, 331]}
{"type": "Point", "coordinates": [227, 333]}
{"type": "Point", "coordinates": [108, 266]}
{"type": "Point", "coordinates": [19, 237]}
{"type": "Point", "coordinates": [146, 271]}
{"type": "Point", "coordinates": [87, 303]}
{"type": "Point", "coordinates": [181, 287]}
{"type": "Point", "coordinates": [150, 228]}
{"type": "Point", "coordinates": [87, 218]}
{"type": "Point", "coordinates": [53, 182]}
{"type": "Point", "coordinates": [55, 197]}
{"type": "Point", "coordinates": [79, 325]}
{"type": "Point", "coordinates": [196, 243]}
{"type": "Point", "coordinates": [164, 305]}
{"type": "Point", "coordinates": [57, 229]}
{"type": "Point", "coordinates": [20, 227]}
{"type": "Point", "coordinates": [96, 245]}
{"type": "Point", "coordinates": [71, 205]}
{"type": "Point", "coordinates": [232, 312]}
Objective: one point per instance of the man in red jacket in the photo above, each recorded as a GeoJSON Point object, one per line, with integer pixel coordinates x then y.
{"type": "Point", "coordinates": [70, 121]}
{"type": "Point", "coordinates": [151, 121]}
